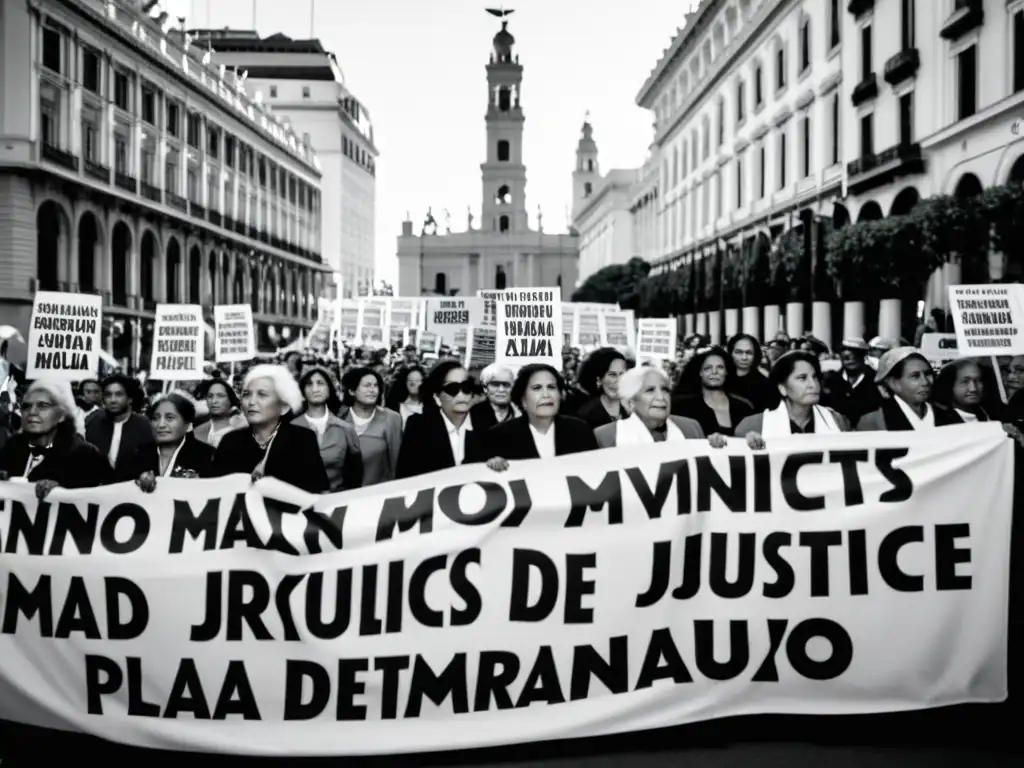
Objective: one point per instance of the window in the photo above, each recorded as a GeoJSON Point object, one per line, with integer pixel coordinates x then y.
{"type": "Point", "coordinates": [1018, 52]}
{"type": "Point", "coordinates": [305, 91]}
{"type": "Point", "coordinates": [805, 45]}
{"type": "Point", "coordinates": [441, 284]}
{"type": "Point", "coordinates": [780, 68]}
{"type": "Point", "coordinates": [834, 21]}
{"type": "Point", "coordinates": [53, 45]}
{"type": "Point", "coordinates": [836, 127]}
{"type": "Point", "coordinates": [229, 151]}
{"type": "Point", "coordinates": [805, 149]}
{"type": "Point", "coordinates": [906, 24]}
{"type": "Point", "coordinates": [90, 70]}
{"type": "Point", "coordinates": [739, 180]}
{"type": "Point", "coordinates": [147, 159]}
{"type": "Point", "coordinates": [719, 212]}
{"type": "Point", "coordinates": [590, 166]}
{"type": "Point", "coordinates": [148, 105]}
{"type": "Point", "coordinates": [90, 135]}
{"type": "Point", "coordinates": [503, 223]}
{"type": "Point", "coordinates": [504, 98]}
{"type": "Point", "coordinates": [762, 168]}
{"type": "Point", "coordinates": [499, 278]}
{"type": "Point", "coordinates": [587, 188]}
{"type": "Point", "coordinates": [907, 118]}
{"type": "Point", "coordinates": [503, 152]}
{"type": "Point", "coordinates": [758, 87]}
{"type": "Point", "coordinates": [173, 121]}
{"type": "Point", "coordinates": [865, 53]}
{"type": "Point", "coordinates": [740, 98]}
{"type": "Point", "coordinates": [122, 91]}
{"type": "Point", "coordinates": [212, 142]}
{"type": "Point", "coordinates": [192, 185]}
{"type": "Point", "coordinates": [171, 167]}
{"type": "Point", "coordinates": [273, 91]}
{"type": "Point", "coordinates": [49, 113]}
{"type": "Point", "coordinates": [867, 135]}
{"type": "Point", "coordinates": [121, 152]}
{"type": "Point", "coordinates": [782, 158]}
{"type": "Point", "coordinates": [193, 129]}
{"type": "Point", "coordinates": [721, 123]}
{"type": "Point", "coordinates": [967, 82]}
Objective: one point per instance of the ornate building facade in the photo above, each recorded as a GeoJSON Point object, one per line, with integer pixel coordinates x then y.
{"type": "Point", "coordinates": [503, 252]}
{"type": "Point", "coordinates": [133, 165]}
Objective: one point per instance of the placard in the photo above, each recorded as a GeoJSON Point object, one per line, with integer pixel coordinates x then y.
{"type": "Point", "coordinates": [177, 343]}
{"type": "Point", "coordinates": [988, 319]}
{"type": "Point", "coordinates": [618, 328]}
{"type": "Point", "coordinates": [64, 336]}
{"type": "Point", "coordinates": [450, 318]}
{"type": "Point", "coordinates": [372, 321]}
{"type": "Point", "coordinates": [939, 348]}
{"type": "Point", "coordinates": [530, 327]}
{"type": "Point", "coordinates": [656, 338]}
{"type": "Point", "coordinates": [236, 339]}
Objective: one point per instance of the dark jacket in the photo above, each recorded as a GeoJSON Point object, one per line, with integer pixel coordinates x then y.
{"type": "Point", "coordinates": [694, 407]}
{"type": "Point", "coordinates": [890, 418]}
{"type": "Point", "coordinates": [136, 437]}
{"type": "Point", "coordinates": [195, 456]}
{"type": "Point", "coordinates": [294, 457]}
{"type": "Point", "coordinates": [484, 417]}
{"type": "Point", "coordinates": [513, 439]}
{"type": "Point", "coordinates": [854, 402]}
{"type": "Point", "coordinates": [70, 461]}
{"type": "Point", "coordinates": [426, 447]}
{"type": "Point", "coordinates": [594, 413]}
{"type": "Point", "coordinates": [755, 389]}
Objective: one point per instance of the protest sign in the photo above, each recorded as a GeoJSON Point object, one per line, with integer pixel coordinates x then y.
{"type": "Point", "coordinates": [530, 327]}
{"type": "Point", "coordinates": [372, 321]}
{"type": "Point", "coordinates": [656, 339]}
{"type": "Point", "coordinates": [348, 320]}
{"type": "Point", "coordinates": [618, 328]}
{"type": "Point", "coordinates": [987, 319]}
{"type": "Point", "coordinates": [64, 336]}
{"type": "Point", "coordinates": [469, 608]}
{"type": "Point", "coordinates": [491, 299]}
{"type": "Point", "coordinates": [177, 343]}
{"type": "Point", "coordinates": [236, 340]}
{"type": "Point", "coordinates": [939, 347]}
{"type": "Point", "coordinates": [587, 329]}
{"type": "Point", "coordinates": [450, 318]}
{"type": "Point", "coordinates": [568, 322]}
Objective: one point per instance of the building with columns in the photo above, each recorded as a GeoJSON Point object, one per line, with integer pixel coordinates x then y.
{"type": "Point", "coordinates": [304, 85]}
{"type": "Point", "coordinates": [135, 167]}
{"type": "Point", "coordinates": [502, 251]}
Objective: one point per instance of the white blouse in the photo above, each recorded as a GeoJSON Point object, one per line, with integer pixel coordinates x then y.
{"type": "Point", "coordinates": [545, 443]}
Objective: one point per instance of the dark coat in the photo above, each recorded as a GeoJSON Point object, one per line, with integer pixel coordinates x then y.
{"type": "Point", "coordinates": [195, 456]}
{"type": "Point", "coordinates": [755, 389]}
{"type": "Point", "coordinates": [484, 417]}
{"type": "Point", "coordinates": [514, 441]}
{"type": "Point", "coordinates": [426, 447]}
{"type": "Point", "coordinates": [294, 457]}
{"type": "Point", "coordinates": [890, 418]}
{"type": "Point", "coordinates": [854, 402]}
{"type": "Point", "coordinates": [594, 413]}
{"type": "Point", "coordinates": [136, 438]}
{"type": "Point", "coordinates": [694, 407]}
{"type": "Point", "coordinates": [71, 462]}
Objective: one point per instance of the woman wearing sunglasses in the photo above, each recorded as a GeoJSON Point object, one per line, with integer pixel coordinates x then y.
{"type": "Point", "coordinates": [442, 436]}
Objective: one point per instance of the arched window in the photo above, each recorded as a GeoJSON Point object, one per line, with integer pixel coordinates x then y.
{"type": "Point", "coordinates": [503, 223]}
{"type": "Point", "coordinates": [504, 98]}
{"type": "Point", "coordinates": [503, 151]}
{"type": "Point", "coordinates": [499, 278]}
{"type": "Point", "coordinates": [590, 166]}
{"type": "Point", "coordinates": [441, 284]}
{"type": "Point", "coordinates": [504, 195]}
{"type": "Point", "coordinates": [587, 188]}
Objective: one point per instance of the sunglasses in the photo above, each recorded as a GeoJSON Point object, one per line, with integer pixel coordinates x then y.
{"type": "Point", "coordinates": [466, 387]}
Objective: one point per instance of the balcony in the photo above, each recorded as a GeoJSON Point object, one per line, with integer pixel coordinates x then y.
{"type": "Point", "coordinates": [275, 241]}
{"type": "Point", "coordinates": [229, 223]}
{"type": "Point", "coordinates": [240, 227]}
{"type": "Point", "coordinates": [967, 15]}
{"type": "Point", "coordinates": [264, 237]}
{"type": "Point", "coordinates": [97, 171]}
{"type": "Point", "coordinates": [252, 233]}
{"type": "Point", "coordinates": [59, 157]}
{"type": "Point", "coordinates": [860, 7]}
{"type": "Point", "coordinates": [865, 90]}
{"type": "Point", "coordinates": [871, 171]}
{"type": "Point", "coordinates": [126, 182]}
{"type": "Point", "coordinates": [196, 211]}
{"type": "Point", "coordinates": [902, 66]}
{"type": "Point", "coordinates": [151, 193]}
{"type": "Point", "coordinates": [214, 217]}
{"type": "Point", "coordinates": [177, 201]}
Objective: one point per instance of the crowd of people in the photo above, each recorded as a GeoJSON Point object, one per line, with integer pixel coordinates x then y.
{"type": "Point", "coordinates": [327, 425]}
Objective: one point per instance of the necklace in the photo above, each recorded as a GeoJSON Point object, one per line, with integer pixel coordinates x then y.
{"type": "Point", "coordinates": [263, 445]}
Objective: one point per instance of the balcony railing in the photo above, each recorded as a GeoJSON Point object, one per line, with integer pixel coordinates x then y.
{"type": "Point", "coordinates": [902, 66]}
{"type": "Point", "coordinates": [126, 182]}
{"type": "Point", "coordinates": [97, 171]}
{"type": "Point", "coordinates": [229, 223]}
{"type": "Point", "coordinates": [875, 170]}
{"type": "Point", "coordinates": [865, 90]}
{"type": "Point", "coordinates": [240, 227]}
{"type": "Point", "coordinates": [151, 193]}
{"type": "Point", "coordinates": [176, 201]}
{"type": "Point", "coordinates": [196, 210]}
{"type": "Point", "coordinates": [59, 157]}
{"type": "Point", "coordinates": [214, 217]}
{"type": "Point", "coordinates": [252, 233]}
{"type": "Point", "coordinates": [967, 15]}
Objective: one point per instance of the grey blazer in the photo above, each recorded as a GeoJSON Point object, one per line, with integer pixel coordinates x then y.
{"type": "Point", "coordinates": [690, 428]}
{"type": "Point", "coordinates": [379, 445]}
{"type": "Point", "coordinates": [339, 451]}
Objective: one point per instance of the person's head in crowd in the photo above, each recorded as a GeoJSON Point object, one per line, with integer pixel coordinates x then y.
{"type": "Point", "coordinates": [1014, 376]}
{"type": "Point", "coordinates": [960, 384]}
{"type": "Point", "coordinates": [777, 347]}
{"type": "Point", "coordinates": [647, 393]}
{"type": "Point", "coordinates": [220, 399]}
{"type": "Point", "coordinates": [293, 362]}
{"type": "Point", "coordinates": [362, 389]}
{"type": "Point", "coordinates": [879, 346]}
{"type": "Point", "coordinates": [853, 353]}
{"type": "Point", "coordinates": [319, 392]}
{"type": "Point", "coordinates": [745, 351]}
{"type": "Point", "coordinates": [450, 388]}
{"type": "Point", "coordinates": [171, 415]}
{"type": "Point", "coordinates": [599, 374]}
{"type": "Point", "coordinates": [120, 394]}
{"type": "Point", "coordinates": [708, 370]}
{"type": "Point", "coordinates": [815, 346]}
{"type": "Point", "coordinates": [497, 380]}
{"type": "Point", "coordinates": [406, 387]}
{"type": "Point", "coordinates": [797, 376]}
{"type": "Point", "coordinates": [270, 395]}
{"type": "Point", "coordinates": [90, 393]}
{"type": "Point", "coordinates": [538, 391]}
{"type": "Point", "coordinates": [49, 412]}
{"type": "Point", "coordinates": [906, 374]}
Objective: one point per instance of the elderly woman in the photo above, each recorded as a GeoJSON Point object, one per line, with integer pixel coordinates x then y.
{"type": "Point", "coordinates": [907, 378]}
{"type": "Point", "coordinates": [271, 446]}
{"type": "Point", "coordinates": [49, 449]}
{"type": "Point", "coordinates": [702, 395]}
{"type": "Point", "coordinates": [797, 378]}
{"type": "Point", "coordinates": [178, 453]}
{"type": "Point", "coordinates": [339, 443]}
{"type": "Point", "coordinates": [647, 393]}
{"type": "Point", "coordinates": [599, 377]}
{"type": "Point", "coordinates": [223, 406]}
{"type": "Point", "coordinates": [379, 429]}
{"type": "Point", "coordinates": [444, 435]}
{"type": "Point", "coordinates": [497, 408]}
{"type": "Point", "coordinates": [541, 432]}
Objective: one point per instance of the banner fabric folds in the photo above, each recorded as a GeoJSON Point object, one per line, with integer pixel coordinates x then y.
{"type": "Point", "coordinates": [607, 592]}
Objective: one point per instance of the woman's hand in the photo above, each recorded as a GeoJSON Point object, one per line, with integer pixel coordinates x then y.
{"type": "Point", "coordinates": [147, 482]}
{"type": "Point", "coordinates": [717, 440]}
{"type": "Point", "coordinates": [497, 464]}
{"type": "Point", "coordinates": [755, 441]}
{"type": "Point", "coordinates": [257, 475]}
{"type": "Point", "coordinates": [43, 488]}
{"type": "Point", "coordinates": [4, 476]}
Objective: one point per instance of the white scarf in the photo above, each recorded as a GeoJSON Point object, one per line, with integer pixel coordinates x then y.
{"type": "Point", "coordinates": [776, 423]}
{"type": "Point", "coordinates": [632, 431]}
{"type": "Point", "coordinates": [915, 421]}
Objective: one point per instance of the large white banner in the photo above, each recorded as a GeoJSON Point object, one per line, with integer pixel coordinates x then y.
{"type": "Point", "coordinates": [614, 591]}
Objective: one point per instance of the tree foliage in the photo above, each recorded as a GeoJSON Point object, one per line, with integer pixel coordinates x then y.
{"type": "Point", "coordinates": [616, 283]}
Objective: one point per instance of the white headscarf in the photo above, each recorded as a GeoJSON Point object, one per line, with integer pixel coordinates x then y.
{"type": "Point", "coordinates": [776, 423]}
{"type": "Point", "coordinates": [632, 431]}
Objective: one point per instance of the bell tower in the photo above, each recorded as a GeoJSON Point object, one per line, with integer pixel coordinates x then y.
{"type": "Point", "coordinates": [588, 172]}
{"type": "Point", "coordinates": [503, 174]}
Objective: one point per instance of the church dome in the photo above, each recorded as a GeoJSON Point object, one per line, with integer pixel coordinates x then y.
{"type": "Point", "coordinates": [503, 42]}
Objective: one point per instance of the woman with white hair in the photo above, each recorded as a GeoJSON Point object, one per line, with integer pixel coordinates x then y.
{"type": "Point", "coordinates": [497, 408]}
{"type": "Point", "coordinates": [272, 447]}
{"type": "Point", "coordinates": [50, 450]}
{"type": "Point", "coordinates": [646, 393]}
